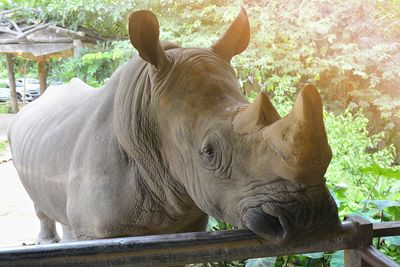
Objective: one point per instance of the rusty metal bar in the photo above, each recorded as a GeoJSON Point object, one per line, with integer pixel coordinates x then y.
{"type": "Point", "coordinates": [376, 258]}
{"type": "Point", "coordinates": [171, 249]}
{"type": "Point", "coordinates": [366, 229]}
{"type": "Point", "coordinates": [352, 258]}
{"type": "Point", "coordinates": [386, 229]}
{"type": "Point", "coordinates": [366, 255]}
{"type": "Point", "coordinates": [186, 248]}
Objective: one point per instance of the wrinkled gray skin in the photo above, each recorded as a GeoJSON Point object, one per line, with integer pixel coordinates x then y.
{"type": "Point", "coordinates": [168, 141]}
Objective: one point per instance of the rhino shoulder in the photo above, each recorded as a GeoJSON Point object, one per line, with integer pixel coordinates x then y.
{"type": "Point", "coordinates": [79, 84]}
{"type": "Point", "coordinates": [65, 91]}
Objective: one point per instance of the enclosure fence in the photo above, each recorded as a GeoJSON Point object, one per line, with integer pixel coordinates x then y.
{"type": "Point", "coordinates": [179, 249]}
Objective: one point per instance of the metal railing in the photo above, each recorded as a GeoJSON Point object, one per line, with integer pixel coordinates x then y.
{"type": "Point", "coordinates": [185, 248]}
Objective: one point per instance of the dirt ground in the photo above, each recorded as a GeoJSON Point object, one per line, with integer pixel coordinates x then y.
{"type": "Point", "coordinates": [17, 218]}
{"type": "Point", "coordinates": [18, 222]}
{"type": "Point", "coordinates": [5, 120]}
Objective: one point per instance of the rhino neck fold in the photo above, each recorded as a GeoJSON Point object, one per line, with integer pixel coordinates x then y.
{"type": "Point", "coordinates": [137, 134]}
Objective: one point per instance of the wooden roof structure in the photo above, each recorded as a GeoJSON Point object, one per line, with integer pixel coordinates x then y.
{"type": "Point", "coordinates": [30, 39]}
{"type": "Point", "coordinates": [36, 40]}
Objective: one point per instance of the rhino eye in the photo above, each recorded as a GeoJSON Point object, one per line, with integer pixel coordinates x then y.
{"type": "Point", "coordinates": [211, 152]}
{"type": "Point", "coordinates": [208, 153]}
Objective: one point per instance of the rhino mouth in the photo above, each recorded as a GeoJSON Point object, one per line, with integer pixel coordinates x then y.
{"type": "Point", "coordinates": [286, 212]}
{"type": "Point", "coordinates": [264, 224]}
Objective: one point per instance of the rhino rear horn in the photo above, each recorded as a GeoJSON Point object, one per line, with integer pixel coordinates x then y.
{"type": "Point", "coordinates": [236, 39]}
{"type": "Point", "coordinates": [144, 34]}
{"type": "Point", "coordinates": [259, 114]}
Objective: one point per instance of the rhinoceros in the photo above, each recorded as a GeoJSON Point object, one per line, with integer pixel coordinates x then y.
{"type": "Point", "coordinates": [170, 140]}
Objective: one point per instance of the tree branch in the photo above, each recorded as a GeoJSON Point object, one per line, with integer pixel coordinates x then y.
{"type": "Point", "coordinates": [39, 27]}
{"type": "Point", "coordinates": [7, 30]}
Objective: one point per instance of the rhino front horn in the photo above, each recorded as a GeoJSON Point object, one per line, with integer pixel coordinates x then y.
{"type": "Point", "coordinates": [308, 107]}
{"type": "Point", "coordinates": [259, 114]}
{"type": "Point", "coordinates": [299, 140]}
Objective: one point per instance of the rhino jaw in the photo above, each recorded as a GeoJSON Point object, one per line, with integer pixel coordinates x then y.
{"type": "Point", "coordinates": [264, 225]}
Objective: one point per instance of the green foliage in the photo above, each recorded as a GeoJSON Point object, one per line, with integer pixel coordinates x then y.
{"type": "Point", "coordinates": [3, 145]}
{"type": "Point", "coordinates": [5, 108]}
{"type": "Point", "coordinates": [105, 17]}
{"type": "Point", "coordinates": [329, 44]}
{"type": "Point", "coordinates": [389, 13]}
{"type": "Point", "coordinates": [392, 250]}
{"type": "Point", "coordinates": [337, 259]}
{"type": "Point", "coordinates": [3, 69]}
{"type": "Point", "coordinates": [261, 262]}
{"type": "Point", "coordinates": [218, 264]}
{"type": "Point", "coordinates": [215, 225]}
{"type": "Point", "coordinates": [94, 66]}
{"type": "Point", "coordinates": [379, 171]}
{"type": "Point", "coordinates": [351, 142]}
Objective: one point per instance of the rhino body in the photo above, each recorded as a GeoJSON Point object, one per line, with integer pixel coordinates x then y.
{"type": "Point", "coordinates": [168, 141]}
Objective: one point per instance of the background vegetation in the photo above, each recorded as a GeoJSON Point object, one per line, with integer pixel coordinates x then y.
{"type": "Point", "coordinates": [348, 48]}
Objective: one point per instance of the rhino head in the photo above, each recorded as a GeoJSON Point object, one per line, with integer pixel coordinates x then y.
{"type": "Point", "coordinates": [239, 162]}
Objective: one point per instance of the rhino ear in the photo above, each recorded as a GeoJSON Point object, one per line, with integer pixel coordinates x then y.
{"type": "Point", "coordinates": [236, 39]}
{"type": "Point", "coordinates": [144, 34]}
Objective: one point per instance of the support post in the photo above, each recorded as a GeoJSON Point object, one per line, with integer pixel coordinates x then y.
{"type": "Point", "coordinates": [42, 73]}
{"type": "Point", "coordinates": [352, 257]}
{"type": "Point", "coordinates": [11, 81]}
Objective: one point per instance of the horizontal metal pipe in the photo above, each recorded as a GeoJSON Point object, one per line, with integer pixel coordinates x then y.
{"type": "Point", "coordinates": [170, 249]}
{"type": "Point", "coordinates": [386, 228]}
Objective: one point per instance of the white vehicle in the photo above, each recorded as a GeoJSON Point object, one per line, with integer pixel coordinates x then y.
{"type": "Point", "coordinates": [31, 93]}
{"type": "Point", "coordinates": [4, 94]}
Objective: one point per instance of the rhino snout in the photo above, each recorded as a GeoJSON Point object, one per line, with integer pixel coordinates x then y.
{"type": "Point", "coordinates": [297, 220]}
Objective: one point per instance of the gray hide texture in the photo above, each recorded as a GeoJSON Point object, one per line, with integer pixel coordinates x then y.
{"type": "Point", "coordinates": [168, 141]}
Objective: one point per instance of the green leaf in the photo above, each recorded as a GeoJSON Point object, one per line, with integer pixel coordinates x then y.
{"type": "Point", "coordinates": [316, 255]}
{"type": "Point", "coordinates": [261, 262]}
{"type": "Point", "coordinates": [393, 240]}
{"type": "Point", "coordinates": [379, 171]}
{"type": "Point", "coordinates": [212, 222]}
{"type": "Point", "coordinates": [337, 200]}
{"type": "Point", "coordinates": [394, 213]}
{"type": "Point", "coordinates": [383, 204]}
{"type": "Point", "coordinates": [337, 259]}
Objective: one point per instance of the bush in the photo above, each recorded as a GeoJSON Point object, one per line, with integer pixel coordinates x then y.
{"type": "Point", "coordinates": [353, 148]}
{"type": "Point", "coordinates": [5, 108]}
{"type": "Point", "coordinates": [93, 66]}
{"type": "Point", "coordinates": [3, 145]}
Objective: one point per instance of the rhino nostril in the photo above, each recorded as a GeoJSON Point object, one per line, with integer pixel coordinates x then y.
{"type": "Point", "coordinates": [275, 225]}
{"type": "Point", "coordinates": [264, 224]}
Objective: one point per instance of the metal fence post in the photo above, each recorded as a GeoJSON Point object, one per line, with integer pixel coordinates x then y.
{"type": "Point", "coordinates": [352, 257]}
